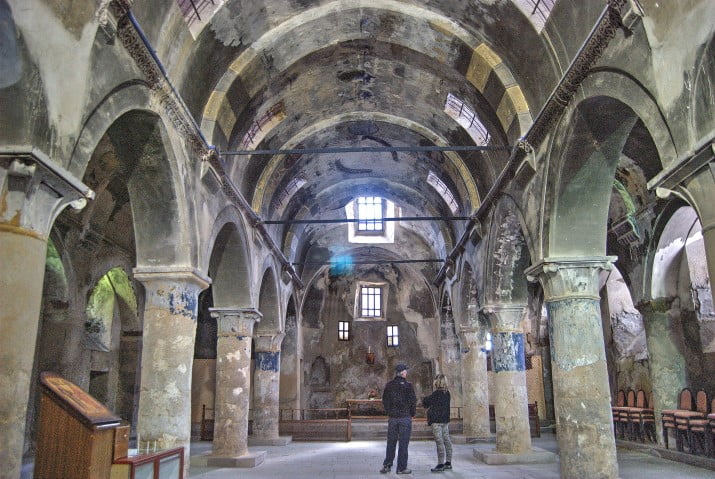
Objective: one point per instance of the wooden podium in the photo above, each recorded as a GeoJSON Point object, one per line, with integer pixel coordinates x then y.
{"type": "Point", "coordinates": [77, 434]}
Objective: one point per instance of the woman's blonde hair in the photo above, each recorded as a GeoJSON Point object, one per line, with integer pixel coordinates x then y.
{"type": "Point", "coordinates": [440, 382]}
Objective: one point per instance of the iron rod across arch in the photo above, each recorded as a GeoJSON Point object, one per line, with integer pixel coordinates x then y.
{"type": "Point", "coordinates": [364, 149]}
{"type": "Point", "coordinates": [377, 261]}
{"type": "Point", "coordinates": [356, 220]}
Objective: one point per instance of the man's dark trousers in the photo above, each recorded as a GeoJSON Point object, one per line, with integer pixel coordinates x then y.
{"type": "Point", "coordinates": [398, 429]}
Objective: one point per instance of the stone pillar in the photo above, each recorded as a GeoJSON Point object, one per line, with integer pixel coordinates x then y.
{"type": "Point", "coordinates": [233, 388]}
{"type": "Point", "coordinates": [266, 384]}
{"type": "Point", "coordinates": [33, 191]}
{"type": "Point", "coordinates": [665, 358]}
{"type": "Point", "coordinates": [510, 396]}
{"type": "Point", "coordinates": [475, 385]}
{"type": "Point", "coordinates": [170, 310]}
{"type": "Point", "coordinates": [582, 399]}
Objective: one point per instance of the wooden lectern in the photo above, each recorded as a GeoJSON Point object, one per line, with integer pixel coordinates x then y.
{"type": "Point", "coordinates": [76, 435]}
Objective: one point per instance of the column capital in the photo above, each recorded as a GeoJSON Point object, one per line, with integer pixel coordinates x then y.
{"type": "Point", "coordinates": [505, 317]}
{"type": "Point", "coordinates": [269, 342]}
{"type": "Point", "coordinates": [472, 336]}
{"type": "Point", "coordinates": [179, 274]}
{"type": "Point", "coordinates": [236, 321]}
{"type": "Point", "coordinates": [567, 278]}
{"type": "Point", "coordinates": [34, 191]}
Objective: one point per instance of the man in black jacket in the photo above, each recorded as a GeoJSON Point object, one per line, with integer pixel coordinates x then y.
{"type": "Point", "coordinates": [400, 404]}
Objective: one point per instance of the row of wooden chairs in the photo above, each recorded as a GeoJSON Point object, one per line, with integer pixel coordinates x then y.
{"type": "Point", "coordinates": [693, 423]}
{"type": "Point", "coordinates": [633, 416]}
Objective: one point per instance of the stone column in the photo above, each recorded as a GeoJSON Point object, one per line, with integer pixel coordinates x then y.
{"type": "Point", "coordinates": [33, 191]}
{"type": "Point", "coordinates": [266, 383]}
{"type": "Point", "coordinates": [510, 396]}
{"type": "Point", "coordinates": [582, 398]}
{"type": "Point", "coordinates": [475, 385]}
{"type": "Point", "coordinates": [167, 358]}
{"type": "Point", "coordinates": [665, 358]}
{"type": "Point", "coordinates": [233, 388]}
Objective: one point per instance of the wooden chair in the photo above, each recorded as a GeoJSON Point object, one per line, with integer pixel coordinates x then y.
{"type": "Point", "coordinates": [623, 415]}
{"type": "Point", "coordinates": [692, 425]}
{"type": "Point", "coordinates": [710, 435]}
{"type": "Point", "coordinates": [616, 410]}
{"type": "Point", "coordinates": [685, 403]}
{"type": "Point", "coordinates": [641, 420]}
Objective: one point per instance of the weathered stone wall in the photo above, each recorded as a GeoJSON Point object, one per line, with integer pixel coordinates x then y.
{"type": "Point", "coordinates": [333, 370]}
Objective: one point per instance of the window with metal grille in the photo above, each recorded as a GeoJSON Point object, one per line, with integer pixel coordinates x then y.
{"type": "Point", "coordinates": [538, 11]}
{"type": "Point", "coordinates": [344, 330]}
{"type": "Point", "coordinates": [465, 116]}
{"type": "Point", "coordinates": [370, 213]}
{"type": "Point", "coordinates": [393, 336]}
{"type": "Point", "coordinates": [444, 192]}
{"type": "Point", "coordinates": [294, 185]}
{"type": "Point", "coordinates": [258, 129]}
{"type": "Point", "coordinates": [371, 301]}
{"type": "Point", "coordinates": [198, 13]}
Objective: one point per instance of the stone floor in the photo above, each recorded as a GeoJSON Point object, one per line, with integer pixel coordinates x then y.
{"type": "Point", "coordinates": [363, 459]}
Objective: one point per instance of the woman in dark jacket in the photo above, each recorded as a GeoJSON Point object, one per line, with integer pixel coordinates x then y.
{"type": "Point", "coordinates": [437, 405]}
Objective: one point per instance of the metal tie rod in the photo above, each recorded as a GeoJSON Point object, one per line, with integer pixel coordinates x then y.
{"type": "Point", "coordinates": [378, 261]}
{"type": "Point", "coordinates": [364, 149]}
{"type": "Point", "coordinates": [363, 220]}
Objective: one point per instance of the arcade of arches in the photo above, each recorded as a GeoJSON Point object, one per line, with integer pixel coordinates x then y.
{"type": "Point", "coordinates": [429, 178]}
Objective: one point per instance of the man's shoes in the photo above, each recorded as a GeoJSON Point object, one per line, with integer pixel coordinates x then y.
{"type": "Point", "coordinates": [385, 469]}
{"type": "Point", "coordinates": [405, 471]}
{"type": "Point", "coordinates": [438, 468]}
{"type": "Point", "coordinates": [447, 465]}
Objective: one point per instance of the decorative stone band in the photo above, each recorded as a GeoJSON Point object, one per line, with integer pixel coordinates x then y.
{"type": "Point", "coordinates": [569, 278]}
{"type": "Point", "coordinates": [236, 322]}
{"type": "Point", "coordinates": [508, 352]}
{"type": "Point", "coordinates": [173, 288]}
{"type": "Point", "coordinates": [34, 190]}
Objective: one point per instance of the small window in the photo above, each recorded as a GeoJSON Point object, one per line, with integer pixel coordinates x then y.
{"type": "Point", "coordinates": [443, 190]}
{"type": "Point", "coordinates": [488, 342]}
{"type": "Point", "coordinates": [343, 330]}
{"type": "Point", "coordinates": [393, 336]}
{"type": "Point", "coordinates": [261, 126]}
{"type": "Point", "coordinates": [538, 11]}
{"type": "Point", "coordinates": [465, 116]}
{"type": "Point", "coordinates": [370, 211]}
{"type": "Point", "coordinates": [370, 301]}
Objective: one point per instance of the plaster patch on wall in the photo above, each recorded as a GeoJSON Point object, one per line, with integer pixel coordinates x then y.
{"type": "Point", "coordinates": [508, 352]}
{"type": "Point", "coordinates": [268, 361]}
{"type": "Point", "coordinates": [172, 391]}
{"type": "Point", "coordinates": [65, 87]}
{"type": "Point", "coordinates": [571, 347]}
{"type": "Point", "coordinates": [237, 391]}
{"type": "Point", "coordinates": [183, 303]}
{"type": "Point", "coordinates": [673, 52]}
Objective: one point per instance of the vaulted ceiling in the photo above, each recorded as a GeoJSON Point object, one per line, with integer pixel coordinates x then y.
{"type": "Point", "coordinates": [322, 74]}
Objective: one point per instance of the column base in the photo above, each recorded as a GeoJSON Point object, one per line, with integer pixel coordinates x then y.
{"type": "Point", "coordinates": [491, 438]}
{"type": "Point", "coordinates": [536, 455]}
{"type": "Point", "coordinates": [278, 441]}
{"type": "Point", "coordinates": [252, 459]}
